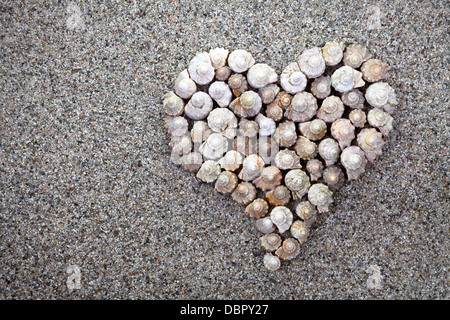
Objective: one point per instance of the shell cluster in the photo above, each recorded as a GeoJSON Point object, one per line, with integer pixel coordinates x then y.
{"type": "Point", "coordinates": [280, 145]}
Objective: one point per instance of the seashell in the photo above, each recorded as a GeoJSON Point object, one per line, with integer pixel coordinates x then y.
{"type": "Point", "coordinates": [199, 106]}
{"type": "Point", "coordinates": [218, 57]}
{"type": "Point", "coordinates": [231, 161]}
{"type": "Point", "coordinates": [334, 177]}
{"type": "Point", "coordinates": [332, 109]}
{"type": "Point", "coordinates": [226, 182]}
{"type": "Point", "coordinates": [381, 120]}
{"type": "Point", "coordinates": [343, 131]}
{"type": "Point", "coordinates": [245, 145]}
{"type": "Point", "coordinates": [221, 93]}
{"type": "Point", "coordinates": [248, 128]}
{"type": "Point", "coordinates": [200, 131]}
{"type": "Point", "coordinates": [176, 126]}
{"type": "Point", "coordinates": [321, 87]}
{"type": "Point", "coordinates": [270, 242]}
{"type": "Point", "coordinates": [214, 147]}
{"type": "Point", "coordinates": [279, 196]}
{"type": "Point", "coordinates": [346, 78]}
{"type": "Point", "coordinates": [172, 104]}
{"type": "Point", "coordinates": [185, 87]}
{"type": "Point", "coordinates": [209, 171]}
{"type": "Point", "coordinates": [271, 262]}
{"type": "Point", "coordinates": [282, 217]}
{"type": "Point", "coordinates": [200, 69]}
{"type": "Point", "coordinates": [333, 52]}
{"type": "Point", "coordinates": [298, 182]}
{"type": "Point", "coordinates": [320, 196]}
{"type": "Point", "coordinates": [381, 95]}
{"type": "Point", "coordinates": [283, 100]}
{"type": "Point", "coordinates": [371, 142]}
{"type": "Point", "coordinates": [300, 231]}
{"type": "Point", "coordinates": [266, 125]}
{"type": "Point", "coordinates": [270, 178]}
{"type": "Point", "coordinates": [292, 79]}
{"type": "Point", "coordinates": [312, 63]}
{"type": "Point", "coordinates": [355, 55]}
{"type": "Point", "coordinates": [192, 161]}
{"type": "Point", "coordinates": [305, 148]}
{"type": "Point", "coordinates": [287, 159]}
{"type": "Point", "coordinates": [315, 169]}
{"type": "Point", "coordinates": [265, 225]}
{"type": "Point", "coordinates": [258, 208]}
{"type": "Point", "coordinates": [303, 107]}
{"type": "Point", "coordinates": [305, 210]}
{"type": "Point", "coordinates": [267, 148]}
{"type": "Point", "coordinates": [180, 147]}
{"type": "Point", "coordinates": [354, 161]}
{"type": "Point", "coordinates": [313, 130]}
{"type": "Point", "coordinates": [244, 193]}
{"type": "Point", "coordinates": [274, 111]}
{"type": "Point", "coordinates": [238, 84]}
{"type": "Point", "coordinates": [357, 117]}
{"type": "Point", "coordinates": [285, 134]}
{"type": "Point", "coordinates": [223, 121]}
{"type": "Point", "coordinates": [240, 60]}
{"type": "Point", "coordinates": [251, 167]}
{"type": "Point", "coordinates": [374, 70]}
{"type": "Point", "coordinates": [268, 93]}
{"type": "Point", "coordinates": [353, 99]}
{"type": "Point", "coordinates": [247, 105]}
{"type": "Point", "coordinates": [260, 75]}
{"type": "Point", "coordinates": [329, 151]}
{"type": "Point", "coordinates": [289, 249]}
{"type": "Point", "coordinates": [223, 73]}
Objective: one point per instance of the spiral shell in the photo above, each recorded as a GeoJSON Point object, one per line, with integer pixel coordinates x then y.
{"type": "Point", "coordinates": [192, 161]}
{"type": "Point", "coordinates": [226, 182]}
{"type": "Point", "coordinates": [282, 217]}
{"type": "Point", "coordinates": [381, 120]}
{"type": "Point", "coordinates": [313, 130]}
{"type": "Point", "coordinates": [381, 95]}
{"type": "Point", "coordinates": [231, 161]}
{"type": "Point", "coordinates": [312, 63]}
{"type": "Point", "coordinates": [357, 117]}
{"type": "Point", "coordinates": [305, 148]}
{"type": "Point", "coordinates": [343, 131]}
{"type": "Point", "coordinates": [180, 146]}
{"type": "Point", "coordinates": [303, 107]}
{"type": "Point", "coordinates": [354, 161]}
{"type": "Point", "coordinates": [240, 60]}
{"type": "Point", "coordinates": [223, 73]}
{"type": "Point", "coordinates": [258, 208]}
{"type": "Point", "coordinates": [320, 196]}
{"type": "Point", "coordinates": [244, 193]}
{"type": "Point", "coordinates": [374, 70]}
{"type": "Point", "coordinates": [315, 169]}
{"type": "Point", "coordinates": [260, 75]}
{"type": "Point", "coordinates": [353, 99]}
{"type": "Point", "coordinates": [287, 159]}
{"type": "Point", "coordinates": [345, 79]}
{"type": "Point", "coordinates": [270, 242]}
{"type": "Point", "coordinates": [279, 196]}
{"type": "Point", "coordinates": [271, 262]}
{"type": "Point", "coordinates": [298, 182]}
{"type": "Point", "coordinates": [185, 87]}
{"type": "Point", "coordinates": [270, 178]}
{"type": "Point", "coordinates": [218, 57]}
{"type": "Point", "coordinates": [355, 55]}
{"type": "Point", "coordinates": [265, 225]}
{"type": "Point", "coordinates": [176, 126]}
{"type": "Point", "coordinates": [334, 177]}
{"type": "Point", "coordinates": [371, 142]}
{"type": "Point", "coordinates": [300, 231]}
{"type": "Point", "coordinates": [332, 109]}
{"type": "Point", "coordinates": [247, 105]}
{"type": "Point", "coordinates": [248, 128]}
{"type": "Point", "coordinates": [329, 151]}
{"type": "Point", "coordinates": [266, 125]}
{"type": "Point", "coordinates": [245, 145]}
{"type": "Point", "coordinates": [283, 100]}
{"type": "Point", "coordinates": [321, 87]}
{"type": "Point", "coordinates": [333, 52]}
{"type": "Point", "coordinates": [251, 167]}
{"type": "Point", "coordinates": [200, 132]}
{"type": "Point", "coordinates": [274, 112]}
{"type": "Point", "coordinates": [268, 93]}
{"type": "Point", "coordinates": [199, 106]}
{"type": "Point", "coordinates": [223, 121]}
{"type": "Point", "coordinates": [292, 79]}
{"type": "Point", "coordinates": [214, 147]}
{"type": "Point", "coordinates": [200, 68]}
{"type": "Point", "coordinates": [305, 210]}
{"type": "Point", "coordinates": [285, 134]}
{"type": "Point", "coordinates": [238, 84]}
{"type": "Point", "coordinates": [289, 249]}
{"type": "Point", "coordinates": [209, 171]}
{"type": "Point", "coordinates": [172, 104]}
{"type": "Point", "coordinates": [221, 93]}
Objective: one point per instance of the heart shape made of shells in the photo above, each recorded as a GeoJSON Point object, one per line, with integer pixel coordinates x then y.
{"type": "Point", "coordinates": [239, 125]}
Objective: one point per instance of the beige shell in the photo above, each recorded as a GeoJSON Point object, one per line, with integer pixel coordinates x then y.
{"type": "Point", "coordinates": [240, 60]}
{"type": "Point", "coordinates": [267, 149]}
{"type": "Point", "coordinates": [300, 231]}
{"type": "Point", "coordinates": [274, 111]}
{"type": "Point", "coordinates": [283, 100]}
{"type": "Point", "coordinates": [231, 161]}
{"type": "Point", "coordinates": [305, 148]}
{"type": "Point", "coordinates": [313, 130]}
{"type": "Point", "coordinates": [346, 78]}
{"type": "Point", "coordinates": [251, 167]}
{"type": "Point", "coordinates": [357, 117]}
{"type": "Point", "coordinates": [279, 196]}
{"type": "Point", "coordinates": [244, 193]}
{"type": "Point", "coordinates": [199, 106]}
{"type": "Point", "coordinates": [245, 145]}
{"type": "Point", "coordinates": [287, 159]}
{"type": "Point", "coordinates": [289, 249]}
{"type": "Point", "coordinates": [332, 109]}
{"type": "Point", "coordinates": [223, 121]}
{"type": "Point", "coordinates": [248, 128]}
{"type": "Point", "coordinates": [214, 147]}
{"type": "Point", "coordinates": [329, 151]}
{"type": "Point", "coordinates": [265, 225]}
{"type": "Point", "coordinates": [374, 70]}
{"type": "Point", "coordinates": [268, 93]}
{"type": "Point", "coordinates": [312, 63]}
{"type": "Point", "coordinates": [371, 142]}
{"type": "Point", "coordinates": [218, 57]}
{"type": "Point", "coordinates": [238, 84]}
{"type": "Point", "coordinates": [258, 208]}
{"type": "Point", "coordinates": [381, 95]}
{"type": "Point", "coordinates": [223, 73]}
{"type": "Point", "coordinates": [354, 161]}
{"type": "Point", "coordinates": [353, 99]}
{"type": "Point", "coordinates": [334, 177]}
{"type": "Point", "coordinates": [282, 217]}
{"type": "Point", "coordinates": [321, 87]}
{"type": "Point", "coordinates": [305, 210]}
{"type": "Point", "coordinates": [333, 52]}
{"type": "Point", "coordinates": [271, 262]}
{"type": "Point", "coordinates": [185, 87]}
{"type": "Point", "coordinates": [303, 107]}
{"type": "Point", "coordinates": [292, 79]}
{"type": "Point", "coordinates": [315, 169]}
{"type": "Point", "coordinates": [200, 69]}
{"type": "Point", "coordinates": [176, 126]}
{"type": "Point", "coordinates": [200, 132]}
{"type": "Point", "coordinates": [172, 104]}
{"type": "Point", "coordinates": [285, 134]}
{"type": "Point", "coordinates": [180, 146]}
{"type": "Point", "coordinates": [247, 105]}
{"type": "Point", "coordinates": [298, 182]}
{"type": "Point", "coordinates": [343, 131]}
{"type": "Point", "coordinates": [381, 120]}
{"type": "Point", "coordinates": [209, 171]}
{"type": "Point", "coordinates": [221, 93]}
{"type": "Point", "coordinates": [320, 196]}
{"type": "Point", "coordinates": [270, 178]}
{"type": "Point", "coordinates": [261, 75]}
{"type": "Point", "coordinates": [266, 125]}
{"type": "Point", "coordinates": [270, 242]}
{"type": "Point", "coordinates": [192, 161]}
{"type": "Point", "coordinates": [226, 182]}
{"type": "Point", "coordinates": [355, 55]}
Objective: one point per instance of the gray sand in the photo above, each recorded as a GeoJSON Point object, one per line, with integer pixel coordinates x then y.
{"type": "Point", "coordinates": [86, 179]}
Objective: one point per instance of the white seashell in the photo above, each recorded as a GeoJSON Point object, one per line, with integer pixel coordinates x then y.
{"type": "Point", "coordinates": [315, 169]}
{"type": "Point", "coordinates": [223, 121]}
{"type": "Point", "coordinates": [270, 178]}
{"type": "Point", "coordinates": [240, 60]}
{"type": "Point", "coordinates": [231, 161]}
{"type": "Point", "coordinates": [226, 182]}
{"type": "Point", "coordinates": [353, 99]}
{"type": "Point", "coordinates": [321, 87]}
{"type": "Point", "coordinates": [298, 182]}
{"type": "Point", "coordinates": [248, 128]}
{"type": "Point", "coordinates": [381, 120]}
{"type": "Point", "coordinates": [238, 84]}
{"type": "Point", "coordinates": [287, 159]}
{"type": "Point", "coordinates": [176, 126]}
{"type": "Point", "coordinates": [333, 177]}
{"type": "Point", "coordinates": [374, 70]}
{"type": "Point", "coordinates": [271, 262]}
{"type": "Point", "coordinates": [354, 161]}
{"type": "Point", "coordinates": [268, 93]}
{"type": "Point", "coordinates": [180, 146]}
{"type": "Point", "coordinates": [247, 105]}
{"type": "Point", "coordinates": [343, 131]}
{"type": "Point", "coordinates": [200, 68]}
{"type": "Point", "coordinates": [221, 93]}
{"type": "Point", "coordinates": [289, 249]}
{"type": "Point", "coordinates": [172, 104]}
{"type": "Point", "coordinates": [355, 55]}
{"type": "Point", "coordinates": [320, 196]}
{"type": "Point", "coordinates": [209, 171]}
{"type": "Point", "coordinates": [200, 132]}
{"type": "Point", "coordinates": [192, 161]}
{"type": "Point", "coordinates": [185, 87]}
{"type": "Point", "coordinates": [303, 107]}
{"type": "Point", "coordinates": [244, 193]}
{"type": "Point", "coordinates": [223, 73]}
{"type": "Point", "coordinates": [313, 130]}
{"type": "Point", "coordinates": [266, 125]}
{"type": "Point", "coordinates": [260, 75]}
{"type": "Point", "coordinates": [381, 95]}
{"type": "Point", "coordinates": [285, 134]}
{"type": "Point", "coordinates": [218, 57]}
{"type": "Point", "coordinates": [371, 142]}
{"type": "Point", "coordinates": [292, 79]}
{"type": "Point", "coordinates": [267, 148]}
{"type": "Point", "coordinates": [305, 148]}
{"type": "Point", "coordinates": [258, 208]}
{"type": "Point", "coordinates": [357, 117]}
{"type": "Point", "coordinates": [312, 63]}
{"type": "Point", "coordinates": [346, 78]}
{"type": "Point", "coordinates": [305, 210]}
{"type": "Point", "coordinates": [251, 167]}
{"type": "Point", "coordinates": [333, 52]}
{"type": "Point", "coordinates": [270, 242]}
{"type": "Point", "coordinates": [214, 147]}
{"type": "Point", "coordinates": [329, 151]}
{"type": "Point", "coordinates": [265, 225]}
{"type": "Point", "coordinates": [282, 217]}
{"type": "Point", "coordinates": [300, 231]}
{"type": "Point", "coordinates": [332, 109]}
{"type": "Point", "coordinates": [279, 196]}
{"type": "Point", "coordinates": [199, 106]}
